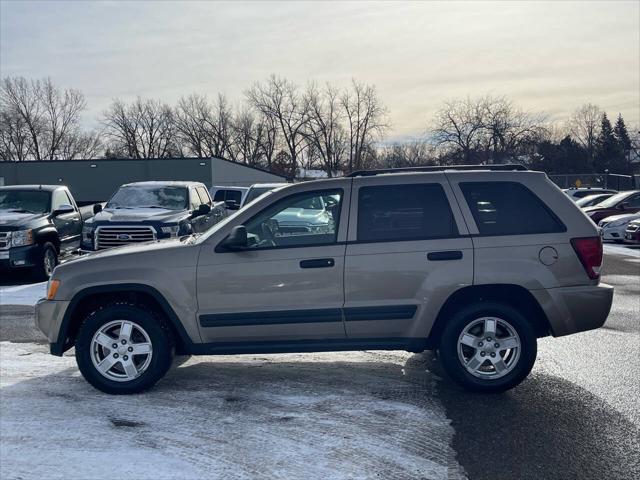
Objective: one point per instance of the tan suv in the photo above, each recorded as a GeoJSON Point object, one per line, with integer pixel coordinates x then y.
{"type": "Point", "coordinates": [475, 262]}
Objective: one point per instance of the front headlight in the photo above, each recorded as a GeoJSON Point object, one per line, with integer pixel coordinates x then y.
{"type": "Point", "coordinates": [171, 230]}
{"type": "Point", "coordinates": [87, 233]}
{"type": "Point", "coordinates": [21, 238]}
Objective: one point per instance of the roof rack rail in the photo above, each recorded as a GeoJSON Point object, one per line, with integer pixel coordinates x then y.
{"type": "Point", "coordinates": [439, 168]}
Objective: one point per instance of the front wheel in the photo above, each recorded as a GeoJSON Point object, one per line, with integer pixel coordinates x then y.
{"type": "Point", "coordinates": [47, 262]}
{"type": "Point", "coordinates": [123, 348]}
{"type": "Point", "coordinates": [488, 347]}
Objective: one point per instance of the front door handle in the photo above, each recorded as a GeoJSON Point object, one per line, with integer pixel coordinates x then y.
{"type": "Point", "coordinates": [318, 263]}
{"type": "Point", "coordinates": [444, 255]}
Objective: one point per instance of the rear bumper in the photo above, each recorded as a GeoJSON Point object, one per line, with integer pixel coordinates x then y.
{"type": "Point", "coordinates": [49, 315]}
{"type": "Point", "coordinates": [575, 309]}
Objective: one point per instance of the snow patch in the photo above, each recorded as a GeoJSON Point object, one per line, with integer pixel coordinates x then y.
{"type": "Point", "coordinates": [22, 294]}
{"type": "Point", "coordinates": [313, 416]}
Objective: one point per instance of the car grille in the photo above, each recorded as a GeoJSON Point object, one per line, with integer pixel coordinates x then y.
{"type": "Point", "coordinates": [5, 239]}
{"type": "Point", "coordinates": [107, 237]}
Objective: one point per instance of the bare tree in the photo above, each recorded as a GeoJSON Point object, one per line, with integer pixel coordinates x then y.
{"type": "Point", "coordinates": [249, 131]}
{"type": "Point", "coordinates": [40, 116]}
{"type": "Point", "coordinates": [192, 114]}
{"type": "Point", "coordinates": [143, 129]}
{"type": "Point", "coordinates": [325, 134]}
{"type": "Point", "coordinates": [509, 130]}
{"type": "Point", "coordinates": [413, 153]}
{"type": "Point", "coordinates": [280, 101]}
{"type": "Point", "coordinates": [584, 127]}
{"type": "Point", "coordinates": [459, 125]}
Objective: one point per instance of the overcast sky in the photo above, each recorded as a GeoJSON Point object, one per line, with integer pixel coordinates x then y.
{"type": "Point", "coordinates": [550, 56]}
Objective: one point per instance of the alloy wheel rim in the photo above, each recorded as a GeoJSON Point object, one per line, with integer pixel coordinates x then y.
{"type": "Point", "coordinates": [121, 350]}
{"type": "Point", "coordinates": [489, 347]}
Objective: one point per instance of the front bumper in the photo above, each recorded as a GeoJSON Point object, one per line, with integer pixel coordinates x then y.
{"type": "Point", "coordinates": [49, 316]}
{"type": "Point", "coordinates": [20, 257]}
{"type": "Point", "coordinates": [575, 309]}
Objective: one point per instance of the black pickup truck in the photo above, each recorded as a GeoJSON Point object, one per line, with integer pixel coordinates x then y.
{"type": "Point", "coordinates": [147, 211]}
{"type": "Point", "coordinates": [38, 223]}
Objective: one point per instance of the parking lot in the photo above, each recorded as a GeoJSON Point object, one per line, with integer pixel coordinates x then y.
{"type": "Point", "coordinates": [330, 415]}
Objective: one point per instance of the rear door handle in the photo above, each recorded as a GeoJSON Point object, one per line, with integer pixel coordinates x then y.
{"type": "Point", "coordinates": [445, 255]}
{"type": "Point", "coordinates": [318, 263]}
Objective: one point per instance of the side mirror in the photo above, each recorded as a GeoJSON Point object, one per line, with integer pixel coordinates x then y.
{"type": "Point", "coordinates": [203, 209]}
{"type": "Point", "coordinates": [97, 208]}
{"type": "Point", "coordinates": [237, 239]}
{"type": "Point", "coordinates": [232, 205]}
{"type": "Point", "coordinates": [64, 208]}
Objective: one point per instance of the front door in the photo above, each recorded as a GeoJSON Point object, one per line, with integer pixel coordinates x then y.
{"type": "Point", "coordinates": [408, 250]}
{"type": "Point", "coordinates": [68, 225]}
{"type": "Point", "coordinates": [288, 285]}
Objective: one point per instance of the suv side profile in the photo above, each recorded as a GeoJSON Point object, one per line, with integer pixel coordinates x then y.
{"type": "Point", "coordinates": [474, 262]}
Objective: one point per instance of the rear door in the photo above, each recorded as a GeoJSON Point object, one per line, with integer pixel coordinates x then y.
{"type": "Point", "coordinates": [288, 286]}
{"type": "Point", "coordinates": [407, 251]}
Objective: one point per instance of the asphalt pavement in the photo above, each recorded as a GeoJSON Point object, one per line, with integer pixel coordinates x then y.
{"type": "Point", "coordinates": [350, 415]}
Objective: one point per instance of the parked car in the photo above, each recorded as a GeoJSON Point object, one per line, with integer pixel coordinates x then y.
{"type": "Point", "coordinates": [577, 193]}
{"type": "Point", "coordinates": [632, 233]}
{"type": "Point", "coordinates": [147, 211]}
{"type": "Point", "coordinates": [613, 228]}
{"type": "Point", "coordinates": [475, 263]}
{"type": "Point", "coordinates": [258, 189]}
{"type": "Point", "coordinates": [38, 223]}
{"type": "Point", "coordinates": [623, 202]}
{"type": "Point", "coordinates": [231, 196]}
{"type": "Point", "coordinates": [591, 200]}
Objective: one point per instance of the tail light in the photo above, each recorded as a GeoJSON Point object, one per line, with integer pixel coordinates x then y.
{"type": "Point", "coordinates": [589, 251]}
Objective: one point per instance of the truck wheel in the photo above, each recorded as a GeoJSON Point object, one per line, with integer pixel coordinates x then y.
{"type": "Point", "coordinates": [488, 347]}
{"type": "Point", "coordinates": [123, 348]}
{"type": "Point", "coordinates": [48, 261]}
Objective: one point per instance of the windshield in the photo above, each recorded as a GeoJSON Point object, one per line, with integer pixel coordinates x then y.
{"type": "Point", "coordinates": [138, 196]}
{"type": "Point", "coordinates": [256, 192]}
{"type": "Point", "coordinates": [591, 200]}
{"type": "Point", "coordinates": [613, 201]}
{"type": "Point", "coordinates": [25, 201]}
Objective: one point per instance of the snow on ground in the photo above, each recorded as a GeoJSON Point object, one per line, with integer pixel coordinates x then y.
{"type": "Point", "coordinates": [22, 294]}
{"type": "Point", "coordinates": [331, 415]}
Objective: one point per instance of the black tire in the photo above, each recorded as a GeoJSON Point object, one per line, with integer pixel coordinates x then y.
{"type": "Point", "coordinates": [47, 261]}
{"type": "Point", "coordinates": [456, 369]}
{"type": "Point", "coordinates": [159, 334]}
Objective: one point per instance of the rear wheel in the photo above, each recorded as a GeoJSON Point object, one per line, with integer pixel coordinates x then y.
{"type": "Point", "coordinates": [123, 348]}
{"type": "Point", "coordinates": [488, 347]}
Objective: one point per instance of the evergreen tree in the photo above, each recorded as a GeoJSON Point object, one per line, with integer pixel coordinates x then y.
{"type": "Point", "coordinates": [621, 134]}
{"type": "Point", "coordinates": [609, 153]}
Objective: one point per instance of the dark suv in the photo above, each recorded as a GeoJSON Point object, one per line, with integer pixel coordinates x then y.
{"type": "Point", "coordinates": [144, 211]}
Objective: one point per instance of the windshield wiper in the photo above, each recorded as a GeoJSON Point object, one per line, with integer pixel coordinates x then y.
{"type": "Point", "coordinates": [20, 210]}
{"type": "Point", "coordinates": [154, 206]}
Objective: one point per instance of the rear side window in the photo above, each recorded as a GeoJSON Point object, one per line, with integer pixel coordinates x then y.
{"type": "Point", "coordinates": [404, 212]}
{"type": "Point", "coordinates": [508, 208]}
{"type": "Point", "coordinates": [219, 196]}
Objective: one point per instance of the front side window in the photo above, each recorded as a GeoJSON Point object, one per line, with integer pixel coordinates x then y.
{"type": "Point", "coordinates": [508, 208]}
{"type": "Point", "coordinates": [60, 197]}
{"type": "Point", "coordinates": [404, 212]}
{"type": "Point", "coordinates": [306, 219]}
{"type": "Point", "coordinates": [204, 196]}
{"type": "Point", "coordinates": [24, 201]}
{"type": "Point", "coordinates": [137, 196]}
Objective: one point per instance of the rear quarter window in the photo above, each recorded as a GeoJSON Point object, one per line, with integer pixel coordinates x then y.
{"type": "Point", "coordinates": [509, 208]}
